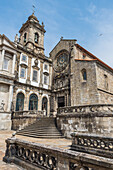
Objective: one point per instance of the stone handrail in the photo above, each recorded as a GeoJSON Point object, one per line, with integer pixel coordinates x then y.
{"type": "Point", "coordinates": [34, 156]}
{"type": "Point", "coordinates": [91, 143]}
{"type": "Point", "coordinates": [85, 109]}
{"type": "Point", "coordinates": [27, 113]}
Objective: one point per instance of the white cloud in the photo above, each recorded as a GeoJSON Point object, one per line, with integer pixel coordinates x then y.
{"type": "Point", "coordinates": [92, 8]}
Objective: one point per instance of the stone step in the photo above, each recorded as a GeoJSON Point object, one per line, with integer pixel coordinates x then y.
{"type": "Point", "coordinates": [39, 134]}
{"type": "Point", "coordinates": [42, 131]}
{"type": "Point", "coordinates": [43, 127]}
{"type": "Point", "coordinates": [45, 137]}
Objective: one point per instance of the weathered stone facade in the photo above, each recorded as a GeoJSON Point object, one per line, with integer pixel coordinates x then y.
{"type": "Point", "coordinates": [88, 119]}
{"type": "Point", "coordinates": [7, 65]}
{"type": "Point", "coordinates": [71, 76]}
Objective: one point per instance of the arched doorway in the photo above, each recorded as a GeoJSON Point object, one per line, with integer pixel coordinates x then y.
{"type": "Point", "coordinates": [20, 102]}
{"type": "Point", "coordinates": [44, 104]}
{"type": "Point", "coordinates": [33, 102]}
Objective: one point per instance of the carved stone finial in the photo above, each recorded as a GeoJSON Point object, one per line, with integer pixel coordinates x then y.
{"type": "Point", "coordinates": [16, 38]}
{"type": "Point", "coordinates": [61, 38]}
{"type": "Point", "coordinates": [13, 135]}
{"type": "Point", "coordinates": [43, 25]}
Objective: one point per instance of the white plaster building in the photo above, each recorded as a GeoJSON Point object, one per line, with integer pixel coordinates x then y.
{"type": "Point", "coordinates": [7, 68]}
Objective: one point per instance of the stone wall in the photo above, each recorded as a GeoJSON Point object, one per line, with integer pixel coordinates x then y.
{"type": "Point", "coordinates": [95, 119]}
{"type": "Point", "coordinates": [105, 84]}
{"type": "Point", "coordinates": [23, 121]}
{"type": "Point", "coordinates": [83, 92]}
{"type": "Point", "coordinates": [85, 124]}
{"type": "Point", "coordinates": [5, 121]}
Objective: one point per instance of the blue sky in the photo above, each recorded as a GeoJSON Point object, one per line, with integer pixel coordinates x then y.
{"type": "Point", "coordinates": [88, 21]}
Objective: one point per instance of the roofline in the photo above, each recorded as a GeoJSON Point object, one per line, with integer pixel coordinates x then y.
{"type": "Point", "coordinates": [59, 42]}
{"type": "Point", "coordinates": [85, 60]}
{"type": "Point", "coordinates": [4, 36]}
{"type": "Point", "coordinates": [90, 54]}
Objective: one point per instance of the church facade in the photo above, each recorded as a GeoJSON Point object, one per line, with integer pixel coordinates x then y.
{"type": "Point", "coordinates": [30, 81]}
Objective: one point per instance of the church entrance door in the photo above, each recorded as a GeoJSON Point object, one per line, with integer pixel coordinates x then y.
{"type": "Point", "coordinates": [44, 105]}
{"type": "Point", "coordinates": [61, 101]}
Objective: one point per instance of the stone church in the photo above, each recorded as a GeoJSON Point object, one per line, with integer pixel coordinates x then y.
{"type": "Point", "coordinates": [32, 82]}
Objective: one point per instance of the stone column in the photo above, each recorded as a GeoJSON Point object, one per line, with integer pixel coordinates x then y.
{"type": "Point", "coordinates": [40, 101]}
{"type": "Point", "coordinates": [13, 65]}
{"type": "Point", "coordinates": [26, 100]}
{"type": "Point", "coordinates": [49, 100]}
{"type": "Point", "coordinates": [41, 73]}
{"type": "Point", "coordinates": [10, 97]}
{"type": "Point", "coordinates": [2, 59]}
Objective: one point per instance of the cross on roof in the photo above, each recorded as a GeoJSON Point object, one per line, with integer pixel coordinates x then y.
{"type": "Point", "coordinates": [33, 8]}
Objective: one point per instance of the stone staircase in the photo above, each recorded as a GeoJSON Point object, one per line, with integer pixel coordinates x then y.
{"type": "Point", "coordinates": [43, 128]}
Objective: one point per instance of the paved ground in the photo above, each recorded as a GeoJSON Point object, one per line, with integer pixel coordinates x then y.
{"type": "Point", "coordinates": [3, 166]}
{"type": "Point", "coordinates": [62, 143]}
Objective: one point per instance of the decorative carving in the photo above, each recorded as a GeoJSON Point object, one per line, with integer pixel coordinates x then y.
{"type": "Point", "coordinates": [2, 105]}
{"type": "Point", "coordinates": [36, 62]}
{"type": "Point", "coordinates": [86, 109]}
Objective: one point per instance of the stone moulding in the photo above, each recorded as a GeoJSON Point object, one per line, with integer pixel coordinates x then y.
{"type": "Point", "coordinates": [93, 144]}
{"type": "Point", "coordinates": [38, 156]}
{"type": "Point", "coordinates": [85, 109]}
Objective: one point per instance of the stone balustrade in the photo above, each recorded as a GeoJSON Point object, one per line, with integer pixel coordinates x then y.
{"type": "Point", "coordinates": [27, 113]}
{"type": "Point", "coordinates": [21, 119]}
{"type": "Point", "coordinates": [37, 156]}
{"type": "Point", "coordinates": [85, 109]}
{"type": "Point", "coordinates": [98, 144]}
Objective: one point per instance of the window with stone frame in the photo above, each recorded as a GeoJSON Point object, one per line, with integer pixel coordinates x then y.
{"type": "Point", "coordinates": [35, 75]}
{"type": "Point", "coordinates": [23, 72]}
{"type": "Point", "coordinates": [84, 75]}
{"type": "Point", "coordinates": [24, 58]}
{"type": "Point", "coordinates": [45, 67]}
{"type": "Point", "coordinates": [36, 37]}
{"type": "Point", "coordinates": [105, 81]}
{"type": "Point", "coordinates": [45, 79]}
{"type": "Point", "coordinates": [84, 56]}
{"type": "Point", "coordinates": [25, 36]}
{"type": "Point", "coordinates": [5, 64]}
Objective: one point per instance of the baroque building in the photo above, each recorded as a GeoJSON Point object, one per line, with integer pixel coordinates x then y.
{"type": "Point", "coordinates": [33, 69]}
{"type": "Point", "coordinates": [30, 81]}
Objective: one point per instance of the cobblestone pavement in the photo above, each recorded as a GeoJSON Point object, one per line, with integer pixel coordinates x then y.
{"type": "Point", "coordinates": [61, 143]}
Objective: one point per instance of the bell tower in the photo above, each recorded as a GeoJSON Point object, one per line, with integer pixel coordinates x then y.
{"type": "Point", "coordinates": [32, 35]}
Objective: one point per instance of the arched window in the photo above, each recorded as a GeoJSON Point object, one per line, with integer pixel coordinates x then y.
{"type": "Point", "coordinates": [84, 75]}
{"type": "Point", "coordinates": [106, 82]}
{"type": "Point", "coordinates": [84, 56]}
{"type": "Point", "coordinates": [20, 102]}
{"type": "Point", "coordinates": [44, 104]}
{"type": "Point", "coordinates": [25, 36]}
{"type": "Point", "coordinates": [36, 37]}
{"type": "Point", "coordinates": [33, 102]}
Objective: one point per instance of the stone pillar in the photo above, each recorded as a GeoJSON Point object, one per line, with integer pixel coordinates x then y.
{"type": "Point", "coordinates": [49, 100]}
{"type": "Point", "coordinates": [26, 100]}
{"type": "Point", "coordinates": [40, 101]}
{"type": "Point", "coordinates": [2, 59]}
{"type": "Point", "coordinates": [10, 97]}
{"type": "Point", "coordinates": [13, 65]}
{"type": "Point", "coordinates": [41, 73]}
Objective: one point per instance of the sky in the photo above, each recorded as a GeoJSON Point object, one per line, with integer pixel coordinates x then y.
{"type": "Point", "coordinates": [88, 21]}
